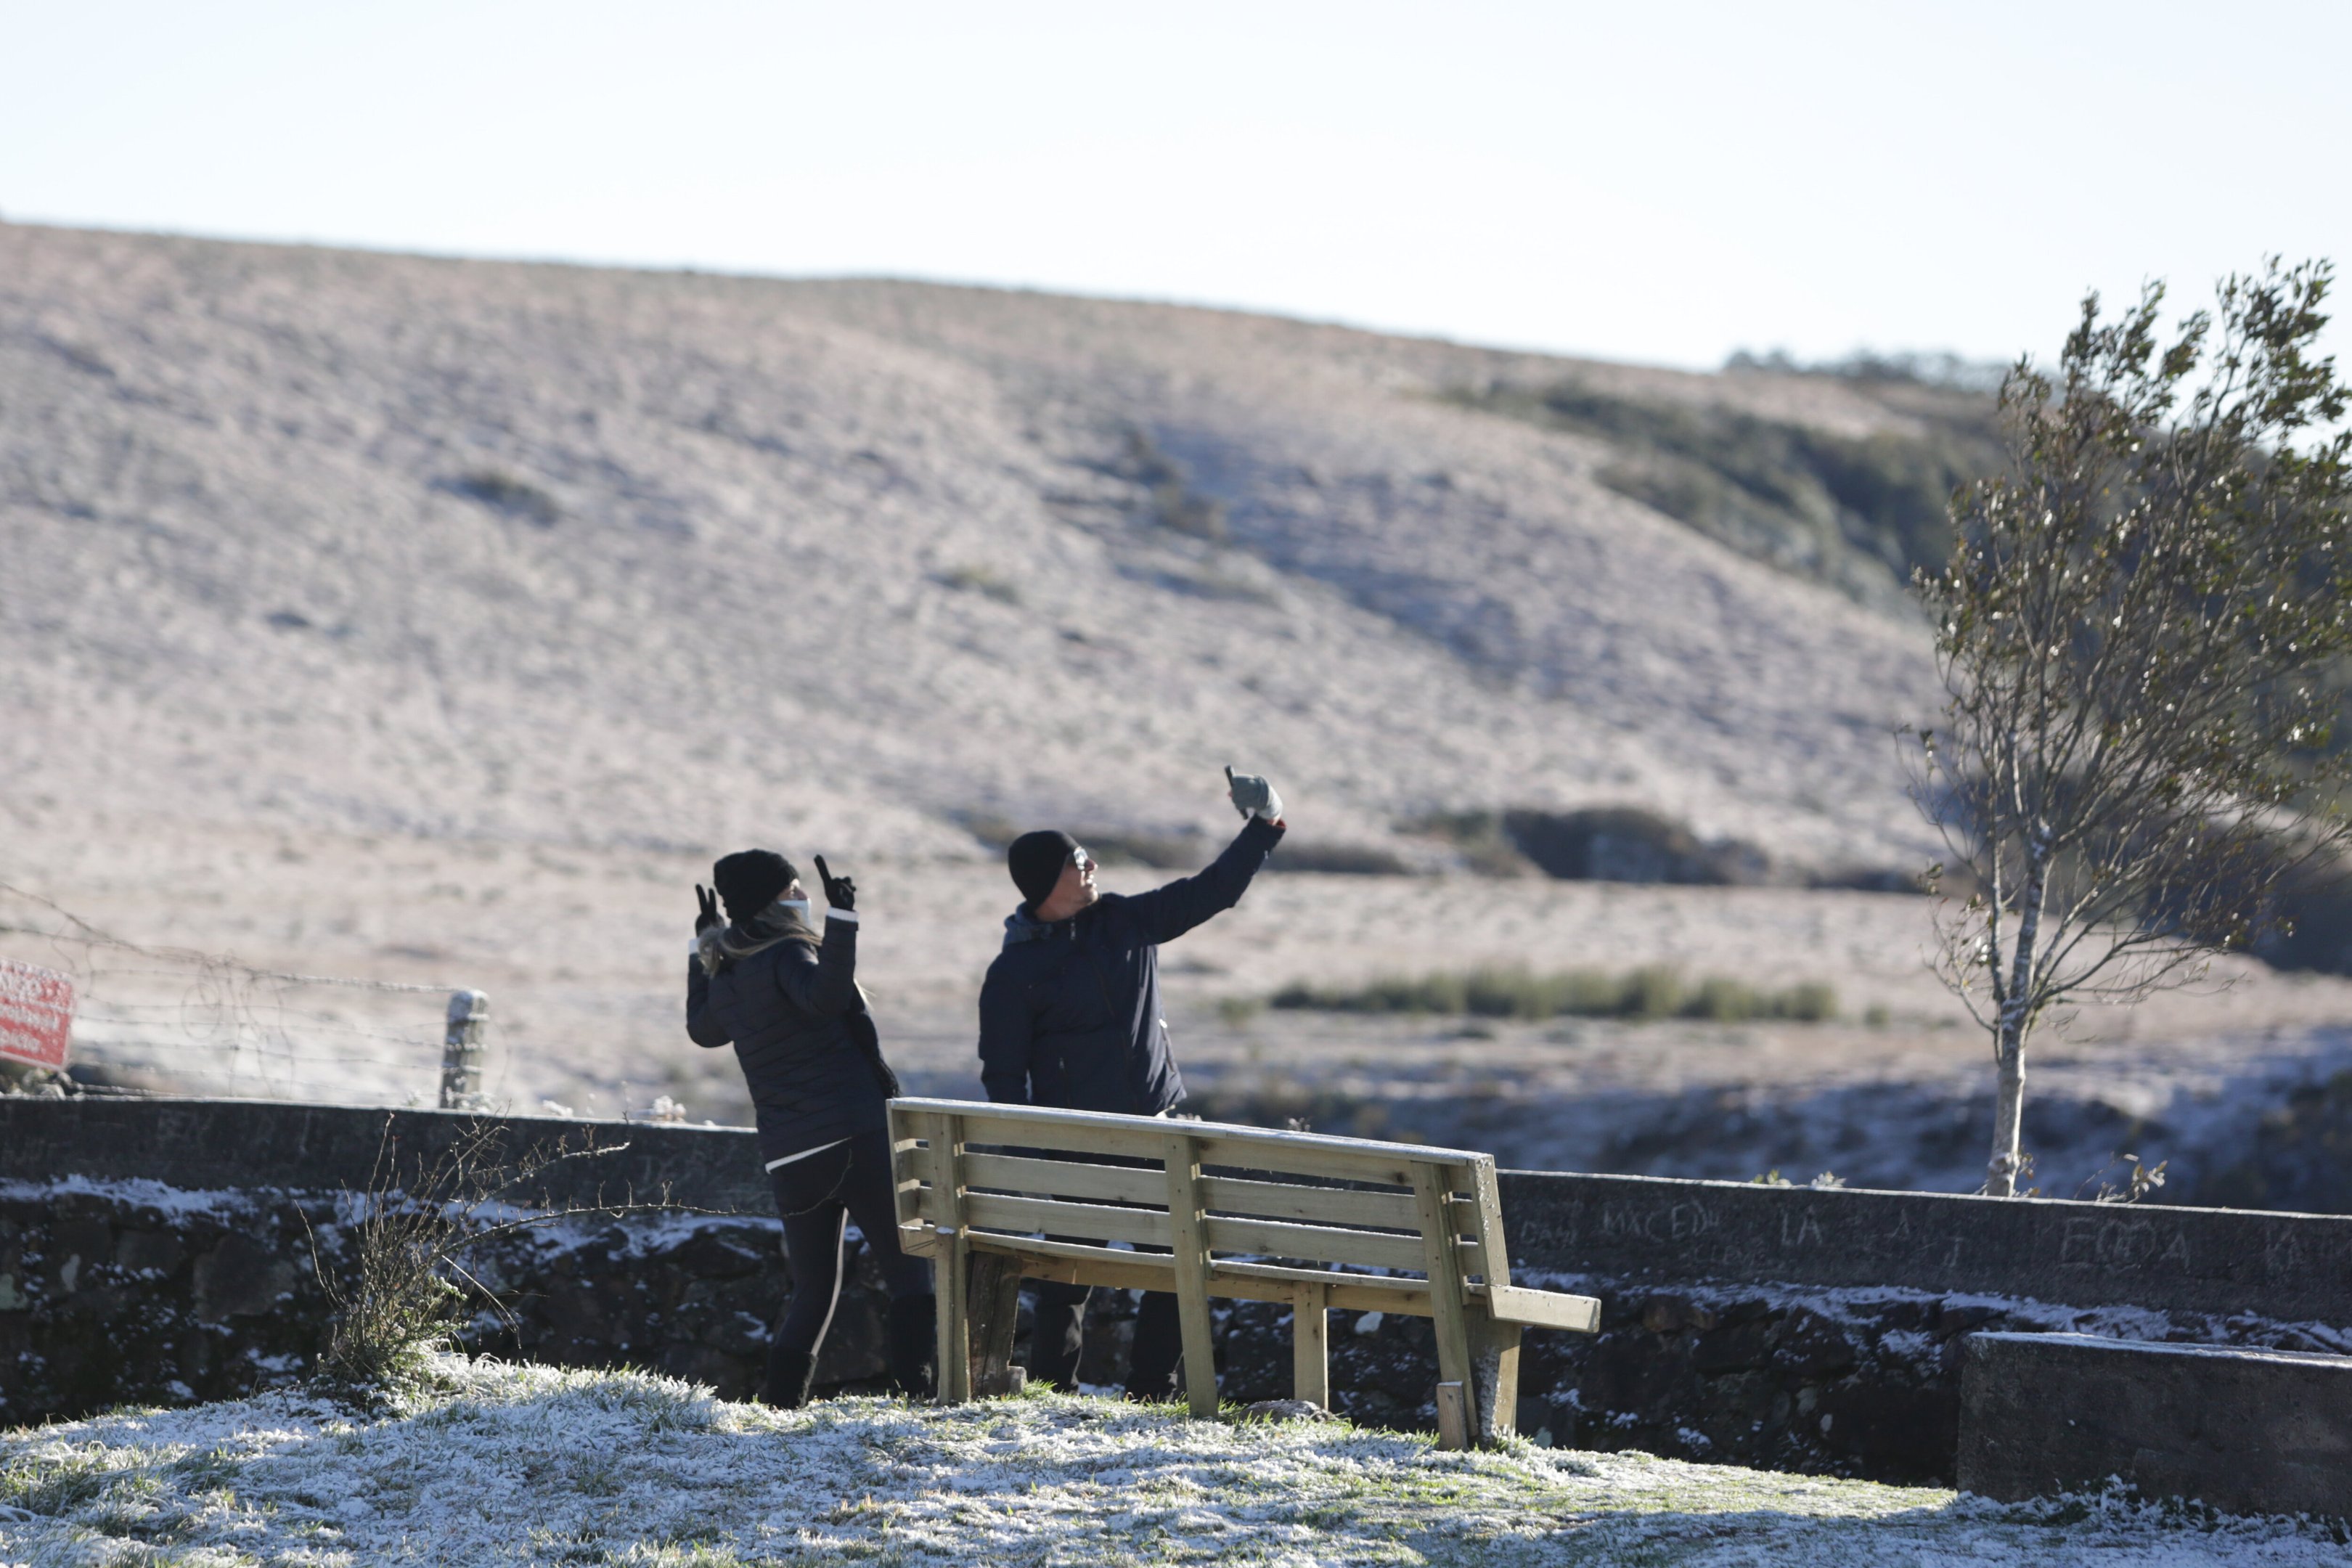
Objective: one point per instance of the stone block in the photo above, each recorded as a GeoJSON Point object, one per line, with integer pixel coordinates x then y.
{"type": "Point", "coordinates": [240, 1278]}
{"type": "Point", "coordinates": [142, 1250]}
{"type": "Point", "coordinates": [711, 1255]}
{"type": "Point", "coordinates": [78, 1244]}
{"type": "Point", "coordinates": [2240, 1429]}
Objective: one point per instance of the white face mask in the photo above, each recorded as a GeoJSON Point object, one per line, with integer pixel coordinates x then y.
{"type": "Point", "coordinates": [798, 905]}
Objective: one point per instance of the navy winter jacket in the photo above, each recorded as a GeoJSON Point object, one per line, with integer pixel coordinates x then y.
{"type": "Point", "coordinates": [1069, 1015]}
{"type": "Point", "coordinates": [789, 1013]}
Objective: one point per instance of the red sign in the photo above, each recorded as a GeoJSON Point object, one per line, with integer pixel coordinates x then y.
{"type": "Point", "coordinates": [35, 1014]}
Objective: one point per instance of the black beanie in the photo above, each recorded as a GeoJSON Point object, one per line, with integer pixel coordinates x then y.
{"type": "Point", "coordinates": [1036, 860]}
{"type": "Point", "coordinates": [749, 880]}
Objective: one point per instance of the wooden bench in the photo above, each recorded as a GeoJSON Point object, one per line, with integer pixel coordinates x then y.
{"type": "Point", "coordinates": [1243, 1212]}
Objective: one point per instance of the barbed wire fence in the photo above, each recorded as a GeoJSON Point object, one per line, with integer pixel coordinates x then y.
{"type": "Point", "coordinates": [168, 1020]}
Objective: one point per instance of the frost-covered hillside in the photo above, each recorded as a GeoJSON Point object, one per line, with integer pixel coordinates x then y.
{"type": "Point", "coordinates": [362, 542]}
{"type": "Point", "coordinates": [531, 1465]}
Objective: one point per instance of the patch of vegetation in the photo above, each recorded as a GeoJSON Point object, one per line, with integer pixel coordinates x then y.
{"type": "Point", "coordinates": [400, 1286]}
{"type": "Point", "coordinates": [1858, 513]}
{"type": "Point", "coordinates": [980, 580]}
{"type": "Point", "coordinates": [1337, 859]}
{"type": "Point", "coordinates": [515, 497]}
{"type": "Point", "coordinates": [993, 830]}
{"type": "Point", "coordinates": [1161, 851]}
{"type": "Point", "coordinates": [1601, 844]}
{"type": "Point", "coordinates": [1170, 500]}
{"type": "Point", "coordinates": [1648, 993]}
{"type": "Point", "coordinates": [62, 1484]}
{"type": "Point", "coordinates": [1107, 845]}
{"type": "Point", "coordinates": [1216, 584]}
{"type": "Point", "coordinates": [1941, 372]}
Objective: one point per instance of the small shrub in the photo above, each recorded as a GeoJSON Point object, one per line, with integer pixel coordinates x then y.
{"type": "Point", "coordinates": [982, 580]}
{"type": "Point", "coordinates": [518, 498]}
{"type": "Point", "coordinates": [1654, 993]}
{"type": "Point", "coordinates": [399, 1293]}
{"type": "Point", "coordinates": [1722, 1001]}
{"type": "Point", "coordinates": [1177, 507]}
{"type": "Point", "coordinates": [1170, 500]}
{"type": "Point", "coordinates": [1808, 1003]}
{"type": "Point", "coordinates": [1235, 1012]}
{"type": "Point", "coordinates": [993, 831]}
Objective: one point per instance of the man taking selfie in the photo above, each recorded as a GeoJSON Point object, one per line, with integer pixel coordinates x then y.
{"type": "Point", "coordinates": [1070, 1017]}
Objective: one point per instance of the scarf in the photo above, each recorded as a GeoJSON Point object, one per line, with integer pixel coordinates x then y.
{"type": "Point", "coordinates": [781, 922]}
{"type": "Point", "coordinates": [1021, 926]}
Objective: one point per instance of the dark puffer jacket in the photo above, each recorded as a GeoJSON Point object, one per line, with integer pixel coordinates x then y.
{"type": "Point", "coordinates": [1069, 1015]}
{"type": "Point", "coordinates": [792, 1015]}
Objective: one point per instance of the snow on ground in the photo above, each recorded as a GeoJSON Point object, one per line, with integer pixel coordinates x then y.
{"type": "Point", "coordinates": [537, 1465]}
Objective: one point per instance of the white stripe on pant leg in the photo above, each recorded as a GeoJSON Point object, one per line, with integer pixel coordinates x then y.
{"type": "Point", "coordinates": [840, 1226]}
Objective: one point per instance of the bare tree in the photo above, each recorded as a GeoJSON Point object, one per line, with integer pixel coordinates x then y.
{"type": "Point", "coordinates": [2134, 630]}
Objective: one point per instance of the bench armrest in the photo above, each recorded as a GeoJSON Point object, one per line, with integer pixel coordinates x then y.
{"type": "Point", "coordinates": [1542, 1309]}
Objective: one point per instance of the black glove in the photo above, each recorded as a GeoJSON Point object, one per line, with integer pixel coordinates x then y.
{"type": "Point", "coordinates": [707, 906]}
{"type": "Point", "coordinates": [840, 892]}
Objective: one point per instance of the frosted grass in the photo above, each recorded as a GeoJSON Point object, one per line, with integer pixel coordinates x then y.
{"type": "Point", "coordinates": [536, 1465]}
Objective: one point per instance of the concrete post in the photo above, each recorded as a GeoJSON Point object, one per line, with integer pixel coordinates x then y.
{"type": "Point", "coordinates": [463, 1049]}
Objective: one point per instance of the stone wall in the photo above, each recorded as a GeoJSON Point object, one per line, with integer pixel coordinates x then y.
{"type": "Point", "coordinates": [2162, 1259]}
{"type": "Point", "coordinates": [1805, 1329]}
{"type": "Point", "coordinates": [2242, 1431]}
{"type": "Point", "coordinates": [114, 1292]}
{"type": "Point", "coordinates": [1650, 1231]}
{"type": "Point", "coordinates": [206, 1145]}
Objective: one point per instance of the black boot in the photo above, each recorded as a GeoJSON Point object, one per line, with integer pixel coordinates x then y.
{"type": "Point", "coordinates": [1057, 1333]}
{"type": "Point", "coordinates": [788, 1380]}
{"type": "Point", "coordinates": [914, 1344]}
{"type": "Point", "coordinates": [1155, 1367]}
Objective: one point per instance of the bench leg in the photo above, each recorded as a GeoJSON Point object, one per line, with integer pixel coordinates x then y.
{"type": "Point", "coordinates": [1189, 1232]}
{"type": "Point", "coordinates": [1494, 1367]}
{"type": "Point", "coordinates": [995, 1313]}
{"type": "Point", "coordinates": [1310, 1346]}
{"type": "Point", "coordinates": [952, 1282]}
{"type": "Point", "coordinates": [1449, 1314]}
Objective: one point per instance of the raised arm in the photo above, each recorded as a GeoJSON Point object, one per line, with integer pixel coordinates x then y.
{"type": "Point", "coordinates": [702, 1022]}
{"type": "Point", "coordinates": [825, 984]}
{"type": "Point", "coordinates": [1006, 1035]}
{"type": "Point", "coordinates": [1166, 913]}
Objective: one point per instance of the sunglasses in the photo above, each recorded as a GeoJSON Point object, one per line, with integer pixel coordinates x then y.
{"type": "Point", "coordinates": [1078, 858]}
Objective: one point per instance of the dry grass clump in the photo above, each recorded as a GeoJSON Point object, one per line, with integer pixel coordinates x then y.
{"type": "Point", "coordinates": [401, 1284]}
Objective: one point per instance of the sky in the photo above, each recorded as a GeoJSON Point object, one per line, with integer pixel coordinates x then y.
{"type": "Point", "coordinates": [1659, 183]}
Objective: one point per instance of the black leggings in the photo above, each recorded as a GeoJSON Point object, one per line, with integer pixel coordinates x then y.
{"type": "Point", "coordinates": [816, 1195]}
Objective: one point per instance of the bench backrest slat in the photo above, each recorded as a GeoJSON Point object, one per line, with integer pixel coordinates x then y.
{"type": "Point", "coordinates": [1374, 1164]}
{"type": "Point", "coordinates": [1220, 1144]}
{"type": "Point", "coordinates": [1079, 1222]}
{"type": "Point", "coordinates": [1074, 1180]}
{"type": "Point", "coordinates": [1319, 1205]}
{"type": "Point", "coordinates": [1317, 1243]}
